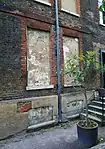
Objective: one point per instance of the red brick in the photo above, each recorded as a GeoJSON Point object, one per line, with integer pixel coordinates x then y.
{"type": "Point", "coordinates": [42, 26]}
{"type": "Point", "coordinates": [23, 44]}
{"type": "Point", "coordinates": [38, 25]}
{"type": "Point", "coordinates": [24, 106]}
{"type": "Point", "coordinates": [52, 59]}
{"type": "Point", "coordinates": [78, 6]}
{"type": "Point", "coordinates": [51, 1]}
{"type": "Point", "coordinates": [61, 55]}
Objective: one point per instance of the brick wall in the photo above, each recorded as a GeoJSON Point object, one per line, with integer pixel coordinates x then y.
{"type": "Point", "coordinates": [53, 76]}
{"type": "Point", "coordinates": [14, 19]}
{"type": "Point", "coordinates": [23, 53]}
{"type": "Point", "coordinates": [78, 6]}
{"type": "Point", "coordinates": [10, 65]}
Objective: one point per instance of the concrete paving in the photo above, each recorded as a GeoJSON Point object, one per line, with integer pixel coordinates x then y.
{"type": "Point", "coordinates": [62, 137]}
{"type": "Point", "coordinates": [100, 146]}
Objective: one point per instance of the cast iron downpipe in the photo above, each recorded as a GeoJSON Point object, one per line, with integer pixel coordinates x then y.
{"type": "Point", "coordinates": [58, 63]}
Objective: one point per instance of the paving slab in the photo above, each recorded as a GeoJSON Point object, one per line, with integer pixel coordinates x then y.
{"type": "Point", "coordinates": [54, 138]}
{"type": "Point", "coordinates": [100, 146]}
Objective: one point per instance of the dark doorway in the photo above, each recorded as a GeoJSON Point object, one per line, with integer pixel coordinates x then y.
{"type": "Point", "coordinates": [103, 63]}
{"type": "Point", "coordinates": [102, 54]}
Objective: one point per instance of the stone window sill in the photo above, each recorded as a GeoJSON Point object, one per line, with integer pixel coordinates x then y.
{"type": "Point", "coordinates": [42, 2]}
{"type": "Point", "coordinates": [65, 85]}
{"type": "Point", "coordinates": [102, 24]}
{"type": "Point", "coordinates": [40, 87]}
{"type": "Point", "coordinates": [72, 13]}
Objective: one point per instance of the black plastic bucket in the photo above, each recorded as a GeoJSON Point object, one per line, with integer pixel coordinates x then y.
{"type": "Point", "coordinates": [88, 136]}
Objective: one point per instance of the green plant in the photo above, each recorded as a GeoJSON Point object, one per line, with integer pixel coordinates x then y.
{"type": "Point", "coordinates": [83, 69]}
{"type": "Point", "coordinates": [102, 6]}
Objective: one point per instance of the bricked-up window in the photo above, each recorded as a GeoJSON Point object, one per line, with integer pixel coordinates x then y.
{"type": "Point", "coordinates": [101, 14]}
{"type": "Point", "coordinates": [69, 5]}
{"type": "Point", "coordinates": [70, 48]}
{"type": "Point", "coordinates": [38, 65]}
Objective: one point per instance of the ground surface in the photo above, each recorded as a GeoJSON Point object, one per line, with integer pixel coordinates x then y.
{"type": "Point", "coordinates": [58, 137]}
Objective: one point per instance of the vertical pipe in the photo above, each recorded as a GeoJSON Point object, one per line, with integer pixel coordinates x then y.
{"type": "Point", "coordinates": [58, 63]}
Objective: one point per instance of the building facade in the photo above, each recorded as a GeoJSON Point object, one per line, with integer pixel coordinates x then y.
{"type": "Point", "coordinates": [28, 58]}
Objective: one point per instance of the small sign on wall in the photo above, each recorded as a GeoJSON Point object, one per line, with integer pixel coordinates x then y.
{"type": "Point", "coordinates": [24, 106]}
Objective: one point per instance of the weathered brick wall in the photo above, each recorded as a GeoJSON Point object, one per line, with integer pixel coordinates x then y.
{"type": "Point", "coordinates": [15, 16]}
{"type": "Point", "coordinates": [90, 20]}
{"type": "Point", "coordinates": [10, 73]}
{"type": "Point", "coordinates": [17, 115]}
{"type": "Point", "coordinates": [26, 6]}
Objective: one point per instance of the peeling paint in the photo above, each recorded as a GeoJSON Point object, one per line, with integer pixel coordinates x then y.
{"type": "Point", "coordinates": [40, 115]}
{"type": "Point", "coordinates": [38, 58]}
{"type": "Point", "coordinates": [70, 47]}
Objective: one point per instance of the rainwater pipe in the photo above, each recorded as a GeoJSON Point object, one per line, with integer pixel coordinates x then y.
{"type": "Point", "coordinates": [58, 75]}
{"type": "Point", "coordinates": [58, 62]}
